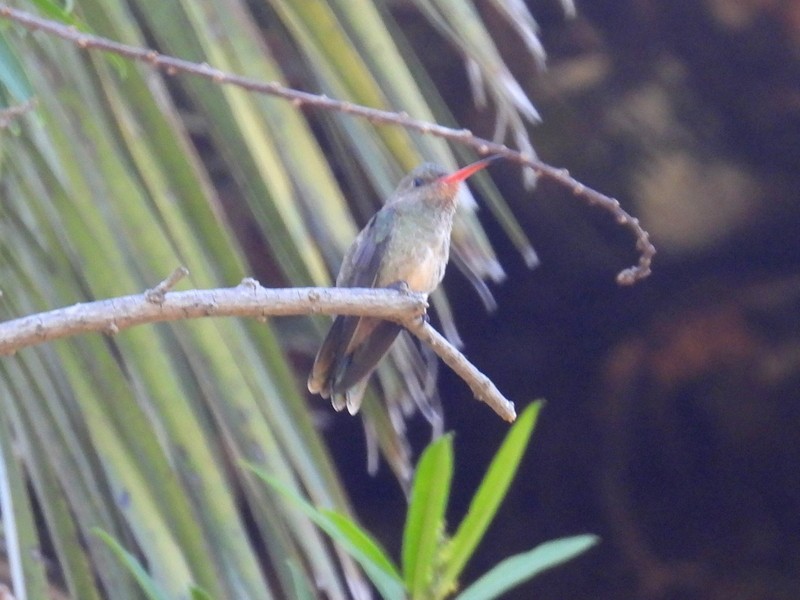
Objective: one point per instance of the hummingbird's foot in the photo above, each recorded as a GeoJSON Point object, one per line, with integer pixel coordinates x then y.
{"type": "Point", "coordinates": [400, 286]}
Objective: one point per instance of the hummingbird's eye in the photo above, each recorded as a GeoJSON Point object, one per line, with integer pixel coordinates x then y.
{"type": "Point", "coordinates": [418, 182]}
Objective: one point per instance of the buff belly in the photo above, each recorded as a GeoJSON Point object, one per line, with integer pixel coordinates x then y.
{"type": "Point", "coordinates": [423, 267]}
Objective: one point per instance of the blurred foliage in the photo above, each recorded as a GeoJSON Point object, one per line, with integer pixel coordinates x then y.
{"type": "Point", "coordinates": [120, 175]}
{"type": "Point", "coordinates": [432, 561]}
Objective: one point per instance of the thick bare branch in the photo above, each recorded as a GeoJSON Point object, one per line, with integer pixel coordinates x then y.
{"type": "Point", "coordinates": [172, 65]}
{"type": "Point", "coordinates": [248, 299]}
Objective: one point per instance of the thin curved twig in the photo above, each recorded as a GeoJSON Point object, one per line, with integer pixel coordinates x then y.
{"type": "Point", "coordinates": [171, 66]}
{"type": "Point", "coordinates": [7, 115]}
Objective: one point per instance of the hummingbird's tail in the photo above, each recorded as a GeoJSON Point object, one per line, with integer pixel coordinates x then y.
{"type": "Point", "coordinates": [348, 356]}
{"type": "Point", "coordinates": [351, 398]}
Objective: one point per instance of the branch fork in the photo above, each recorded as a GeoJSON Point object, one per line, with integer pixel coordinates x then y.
{"type": "Point", "coordinates": [248, 299]}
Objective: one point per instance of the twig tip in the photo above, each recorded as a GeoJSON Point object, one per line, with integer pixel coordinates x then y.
{"type": "Point", "coordinates": [250, 283]}
{"type": "Point", "coordinates": [157, 294]}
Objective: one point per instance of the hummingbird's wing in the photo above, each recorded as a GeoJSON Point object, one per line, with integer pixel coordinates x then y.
{"type": "Point", "coordinates": [362, 262]}
{"type": "Point", "coordinates": [355, 345]}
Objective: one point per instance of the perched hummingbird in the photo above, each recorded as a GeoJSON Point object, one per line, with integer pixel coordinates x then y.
{"type": "Point", "coordinates": [405, 244]}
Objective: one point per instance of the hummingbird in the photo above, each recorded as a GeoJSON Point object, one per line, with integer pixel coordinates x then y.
{"type": "Point", "coordinates": [405, 245]}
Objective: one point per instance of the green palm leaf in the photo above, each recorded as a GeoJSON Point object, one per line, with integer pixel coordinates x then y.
{"type": "Point", "coordinates": [117, 178]}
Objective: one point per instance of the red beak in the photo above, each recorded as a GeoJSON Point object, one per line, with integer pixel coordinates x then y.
{"type": "Point", "coordinates": [469, 170]}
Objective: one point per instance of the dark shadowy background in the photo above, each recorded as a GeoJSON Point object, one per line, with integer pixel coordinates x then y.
{"type": "Point", "coordinates": [672, 420]}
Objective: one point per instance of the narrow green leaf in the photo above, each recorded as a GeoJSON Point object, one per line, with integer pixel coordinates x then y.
{"type": "Point", "coordinates": [18, 528]}
{"type": "Point", "coordinates": [151, 589]}
{"type": "Point", "coordinates": [349, 531]}
{"type": "Point", "coordinates": [491, 492]}
{"type": "Point", "coordinates": [425, 521]}
{"type": "Point", "coordinates": [352, 538]}
{"type": "Point", "coordinates": [366, 550]}
{"type": "Point", "coordinates": [302, 588]}
{"type": "Point", "coordinates": [520, 568]}
{"type": "Point", "coordinates": [43, 472]}
{"type": "Point", "coordinates": [198, 593]}
{"type": "Point", "coordinates": [12, 75]}
{"type": "Point", "coordinates": [54, 11]}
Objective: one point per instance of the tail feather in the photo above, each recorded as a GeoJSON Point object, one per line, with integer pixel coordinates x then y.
{"type": "Point", "coordinates": [348, 356]}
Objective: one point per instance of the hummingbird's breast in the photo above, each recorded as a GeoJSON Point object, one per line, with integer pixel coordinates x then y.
{"type": "Point", "coordinates": [419, 249]}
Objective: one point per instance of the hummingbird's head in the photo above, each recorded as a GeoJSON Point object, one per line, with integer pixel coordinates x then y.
{"type": "Point", "coordinates": [422, 177]}
{"type": "Point", "coordinates": [436, 182]}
